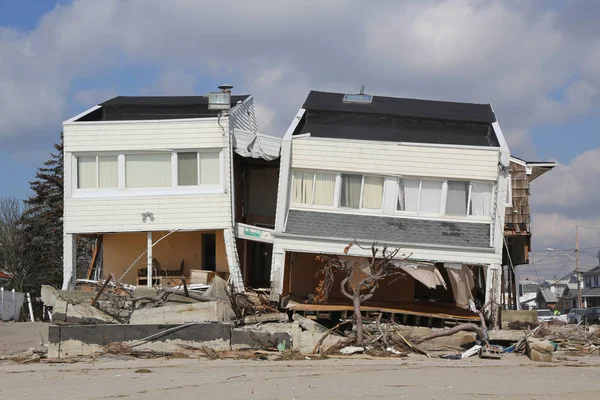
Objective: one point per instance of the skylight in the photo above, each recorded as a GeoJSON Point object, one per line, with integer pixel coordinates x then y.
{"type": "Point", "coordinates": [360, 98]}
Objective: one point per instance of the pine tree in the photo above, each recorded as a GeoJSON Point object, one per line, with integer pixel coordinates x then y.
{"type": "Point", "coordinates": [43, 217]}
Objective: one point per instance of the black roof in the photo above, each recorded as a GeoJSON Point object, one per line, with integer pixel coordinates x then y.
{"type": "Point", "coordinates": [155, 107]}
{"type": "Point", "coordinates": [398, 119]}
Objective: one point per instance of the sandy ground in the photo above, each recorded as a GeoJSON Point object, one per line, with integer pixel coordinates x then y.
{"type": "Point", "coordinates": [20, 336]}
{"type": "Point", "coordinates": [413, 377]}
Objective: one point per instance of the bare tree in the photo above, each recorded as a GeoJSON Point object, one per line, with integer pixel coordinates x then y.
{"type": "Point", "coordinates": [18, 250]}
{"type": "Point", "coordinates": [360, 281]}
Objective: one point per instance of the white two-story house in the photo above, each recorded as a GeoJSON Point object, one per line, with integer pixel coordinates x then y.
{"type": "Point", "coordinates": [428, 177]}
{"type": "Point", "coordinates": [154, 178]}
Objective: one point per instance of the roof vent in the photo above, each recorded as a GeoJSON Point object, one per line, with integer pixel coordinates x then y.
{"type": "Point", "coordinates": [220, 100]}
{"type": "Point", "coordinates": [360, 98]}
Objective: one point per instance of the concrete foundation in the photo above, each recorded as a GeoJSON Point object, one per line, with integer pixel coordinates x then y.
{"type": "Point", "coordinates": [522, 316]}
{"type": "Point", "coordinates": [85, 340]}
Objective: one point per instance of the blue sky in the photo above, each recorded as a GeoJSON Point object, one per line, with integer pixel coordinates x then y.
{"type": "Point", "coordinates": [537, 63]}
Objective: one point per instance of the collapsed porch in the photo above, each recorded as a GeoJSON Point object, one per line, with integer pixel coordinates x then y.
{"type": "Point", "coordinates": [411, 299]}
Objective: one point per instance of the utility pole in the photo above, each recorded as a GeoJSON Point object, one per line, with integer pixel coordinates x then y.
{"type": "Point", "coordinates": [577, 266]}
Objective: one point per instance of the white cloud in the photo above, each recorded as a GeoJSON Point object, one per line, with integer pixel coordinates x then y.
{"type": "Point", "coordinates": [91, 97]}
{"type": "Point", "coordinates": [571, 188]}
{"type": "Point", "coordinates": [509, 54]}
{"type": "Point", "coordinates": [173, 82]}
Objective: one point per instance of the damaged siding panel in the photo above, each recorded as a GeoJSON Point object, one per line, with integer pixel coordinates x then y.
{"type": "Point", "coordinates": [388, 229]}
{"type": "Point", "coordinates": [139, 135]}
{"type": "Point", "coordinates": [395, 159]}
{"type": "Point", "coordinates": [87, 215]}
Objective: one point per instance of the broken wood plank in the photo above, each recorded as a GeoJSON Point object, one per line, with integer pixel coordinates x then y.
{"type": "Point", "coordinates": [95, 299]}
{"type": "Point", "coordinates": [94, 256]}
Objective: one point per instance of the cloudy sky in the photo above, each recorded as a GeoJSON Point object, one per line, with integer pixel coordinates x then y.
{"type": "Point", "coordinates": [537, 62]}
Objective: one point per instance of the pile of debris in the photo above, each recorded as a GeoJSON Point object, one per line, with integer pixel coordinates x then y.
{"type": "Point", "coordinates": [117, 303]}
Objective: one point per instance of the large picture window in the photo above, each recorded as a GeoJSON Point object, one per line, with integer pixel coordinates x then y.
{"type": "Point", "coordinates": [148, 170]}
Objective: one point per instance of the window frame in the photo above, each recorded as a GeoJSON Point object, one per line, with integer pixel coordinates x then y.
{"type": "Point", "coordinates": [337, 191]}
{"type": "Point", "coordinates": [444, 199]}
{"type": "Point", "coordinates": [312, 195]}
{"type": "Point", "coordinates": [122, 191]}
{"type": "Point", "coordinates": [97, 188]}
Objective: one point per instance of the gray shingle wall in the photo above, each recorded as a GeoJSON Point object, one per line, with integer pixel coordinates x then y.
{"type": "Point", "coordinates": [387, 229]}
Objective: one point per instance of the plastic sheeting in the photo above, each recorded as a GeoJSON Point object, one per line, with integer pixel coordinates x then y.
{"type": "Point", "coordinates": [428, 275]}
{"type": "Point", "coordinates": [462, 282]}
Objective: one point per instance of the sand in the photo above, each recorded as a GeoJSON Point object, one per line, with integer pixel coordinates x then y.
{"type": "Point", "coordinates": [413, 377]}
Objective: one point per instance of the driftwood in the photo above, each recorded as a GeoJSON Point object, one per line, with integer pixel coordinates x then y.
{"type": "Point", "coordinates": [449, 332]}
{"type": "Point", "coordinates": [320, 342]}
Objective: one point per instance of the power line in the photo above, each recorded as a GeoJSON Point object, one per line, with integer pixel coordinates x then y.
{"type": "Point", "coordinates": [560, 244]}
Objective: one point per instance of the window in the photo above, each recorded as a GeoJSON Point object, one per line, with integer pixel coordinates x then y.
{"type": "Point", "coordinates": [198, 168]}
{"type": "Point", "coordinates": [457, 198]}
{"type": "Point", "coordinates": [361, 191]}
{"type": "Point", "coordinates": [481, 199]}
{"type": "Point", "coordinates": [97, 172]}
{"type": "Point", "coordinates": [148, 170]}
{"type": "Point", "coordinates": [311, 187]}
{"type": "Point", "coordinates": [324, 189]}
{"type": "Point", "coordinates": [420, 195]}
{"type": "Point", "coordinates": [187, 166]}
{"type": "Point", "coordinates": [351, 191]}
{"type": "Point", "coordinates": [372, 193]}
{"type": "Point", "coordinates": [461, 198]}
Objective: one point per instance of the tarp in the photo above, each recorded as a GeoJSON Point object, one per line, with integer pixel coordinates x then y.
{"type": "Point", "coordinates": [428, 275]}
{"type": "Point", "coordinates": [462, 282]}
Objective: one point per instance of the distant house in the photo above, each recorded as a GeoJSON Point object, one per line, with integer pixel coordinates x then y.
{"type": "Point", "coordinates": [568, 299]}
{"type": "Point", "coordinates": [546, 298]}
{"type": "Point", "coordinates": [528, 294]}
{"type": "Point", "coordinates": [590, 293]}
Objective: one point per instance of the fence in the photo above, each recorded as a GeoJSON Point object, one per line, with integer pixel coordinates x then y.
{"type": "Point", "coordinates": [11, 305]}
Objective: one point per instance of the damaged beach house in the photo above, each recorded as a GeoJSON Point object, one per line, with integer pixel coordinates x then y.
{"type": "Point", "coordinates": [427, 177]}
{"type": "Point", "coordinates": [171, 187]}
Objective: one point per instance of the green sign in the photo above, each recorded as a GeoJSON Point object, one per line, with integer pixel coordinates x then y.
{"type": "Point", "coordinates": [251, 232]}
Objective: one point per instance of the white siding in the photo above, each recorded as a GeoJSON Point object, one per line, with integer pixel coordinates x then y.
{"type": "Point", "coordinates": [145, 135]}
{"type": "Point", "coordinates": [430, 253]}
{"type": "Point", "coordinates": [171, 211]}
{"type": "Point", "coordinates": [394, 159]}
{"type": "Point", "coordinates": [85, 215]}
{"type": "Point", "coordinates": [243, 117]}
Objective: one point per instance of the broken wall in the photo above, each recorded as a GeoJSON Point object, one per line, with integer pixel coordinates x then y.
{"type": "Point", "coordinates": [121, 249]}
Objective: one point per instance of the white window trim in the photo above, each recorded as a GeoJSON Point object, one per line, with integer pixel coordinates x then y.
{"type": "Point", "coordinates": [312, 197]}
{"type": "Point", "coordinates": [122, 191]}
{"type": "Point", "coordinates": [509, 203]}
{"type": "Point", "coordinates": [362, 186]}
{"type": "Point", "coordinates": [444, 198]}
{"type": "Point", "coordinates": [75, 180]}
{"type": "Point", "coordinates": [337, 192]}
